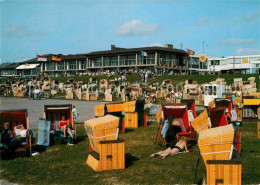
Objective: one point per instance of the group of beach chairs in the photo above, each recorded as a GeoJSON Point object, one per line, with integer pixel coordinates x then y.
{"type": "Point", "coordinates": [48, 130]}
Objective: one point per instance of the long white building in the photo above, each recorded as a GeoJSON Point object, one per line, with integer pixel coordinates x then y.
{"type": "Point", "coordinates": [249, 64]}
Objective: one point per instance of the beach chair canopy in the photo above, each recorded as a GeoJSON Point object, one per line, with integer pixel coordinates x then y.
{"type": "Point", "coordinates": [179, 113]}
{"type": "Point", "coordinates": [114, 107]}
{"type": "Point", "coordinates": [134, 106]}
{"type": "Point", "coordinates": [14, 117]}
{"type": "Point", "coordinates": [54, 112]}
{"type": "Point", "coordinates": [190, 105]}
{"type": "Point", "coordinates": [217, 117]}
{"type": "Point", "coordinates": [220, 102]}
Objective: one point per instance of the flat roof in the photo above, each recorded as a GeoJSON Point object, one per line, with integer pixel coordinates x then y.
{"type": "Point", "coordinates": [13, 65]}
{"type": "Point", "coordinates": [135, 50]}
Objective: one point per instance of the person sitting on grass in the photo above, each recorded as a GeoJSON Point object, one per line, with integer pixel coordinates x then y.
{"type": "Point", "coordinates": [180, 146]}
{"type": "Point", "coordinates": [65, 127]}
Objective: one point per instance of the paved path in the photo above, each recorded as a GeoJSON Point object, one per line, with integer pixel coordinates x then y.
{"type": "Point", "coordinates": [35, 107]}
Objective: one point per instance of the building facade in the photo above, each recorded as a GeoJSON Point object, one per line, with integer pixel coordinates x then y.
{"type": "Point", "coordinates": [159, 60]}
{"type": "Point", "coordinates": [249, 64]}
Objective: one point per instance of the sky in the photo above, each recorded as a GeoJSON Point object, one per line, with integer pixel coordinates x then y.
{"type": "Point", "coordinates": [30, 27]}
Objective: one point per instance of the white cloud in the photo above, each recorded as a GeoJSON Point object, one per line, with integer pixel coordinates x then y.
{"type": "Point", "coordinates": [154, 44]}
{"type": "Point", "coordinates": [234, 41]}
{"type": "Point", "coordinates": [13, 31]}
{"type": "Point", "coordinates": [247, 51]}
{"type": "Point", "coordinates": [137, 27]}
{"type": "Point", "coordinates": [252, 16]}
{"type": "Point", "coordinates": [202, 21]}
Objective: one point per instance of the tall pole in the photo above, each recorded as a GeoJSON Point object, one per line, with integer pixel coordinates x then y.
{"type": "Point", "coordinates": [203, 46]}
{"type": "Point", "coordinates": [181, 46]}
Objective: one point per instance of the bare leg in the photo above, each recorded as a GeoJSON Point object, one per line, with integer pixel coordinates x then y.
{"type": "Point", "coordinates": [70, 133]}
{"type": "Point", "coordinates": [161, 152]}
{"type": "Point", "coordinates": [172, 152]}
{"type": "Point", "coordinates": [64, 130]}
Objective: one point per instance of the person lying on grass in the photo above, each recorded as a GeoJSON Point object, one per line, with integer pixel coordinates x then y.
{"type": "Point", "coordinates": [65, 126]}
{"type": "Point", "coordinates": [180, 146]}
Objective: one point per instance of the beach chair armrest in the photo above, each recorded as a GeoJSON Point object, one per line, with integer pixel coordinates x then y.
{"type": "Point", "coordinates": [183, 134]}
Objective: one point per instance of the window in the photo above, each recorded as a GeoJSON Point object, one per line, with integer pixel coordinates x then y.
{"type": "Point", "coordinates": [215, 62]}
{"type": "Point", "coordinates": [251, 59]}
{"type": "Point", "coordinates": [49, 66]}
{"type": "Point", "coordinates": [95, 62]}
{"type": "Point", "coordinates": [83, 64]}
{"type": "Point", "coordinates": [224, 62]}
{"type": "Point", "coordinates": [72, 65]}
{"type": "Point", "coordinates": [214, 90]}
{"type": "Point", "coordinates": [208, 90]}
{"type": "Point", "coordinates": [60, 66]}
{"type": "Point", "coordinates": [127, 60]}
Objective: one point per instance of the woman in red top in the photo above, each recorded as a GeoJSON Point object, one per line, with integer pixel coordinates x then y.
{"type": "Point", "coordinates": [65, 127]}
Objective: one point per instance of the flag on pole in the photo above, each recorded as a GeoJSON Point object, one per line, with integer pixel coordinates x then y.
{"type": "Point", "coordinates": [143, 53]}
{"type": "Point", "coordinates": [41, 58]}
{"type": "Point", "coordinates": [55, 58]}
{"type": "Point", "coordinates": [191, 52]}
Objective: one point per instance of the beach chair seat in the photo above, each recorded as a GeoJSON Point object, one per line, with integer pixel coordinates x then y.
{"type": "Point", "coordinates": [16, 117]}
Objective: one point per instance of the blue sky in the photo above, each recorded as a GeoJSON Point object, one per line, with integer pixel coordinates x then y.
{"type": "Point", "coordinates": [76, 26]}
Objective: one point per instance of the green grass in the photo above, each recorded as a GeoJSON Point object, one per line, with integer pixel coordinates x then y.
{"type": "Point", "coordinates": [61, 164]}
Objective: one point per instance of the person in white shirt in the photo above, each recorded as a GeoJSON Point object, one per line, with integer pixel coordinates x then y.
{"type": "Point", "coordinates": [20, 132]}
{"type": "Point", "coordinates": [74, 112]}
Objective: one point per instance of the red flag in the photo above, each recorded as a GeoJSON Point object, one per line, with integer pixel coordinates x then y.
{"type": "Point", "coordinates": [41, 58]}
{"type": "Point", "coordinates": [191, 52]}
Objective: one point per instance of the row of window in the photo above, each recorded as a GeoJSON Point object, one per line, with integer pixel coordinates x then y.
{"type": "Point", "coordinates": [24, 72]}
{"type": "Point", "coordinates": [242, 60]}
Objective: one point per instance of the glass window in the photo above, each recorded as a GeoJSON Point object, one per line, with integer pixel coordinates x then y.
{"type": "Point", "coordinates": [72, 65]}
{"type": "Point", "coordinates": [95, 62]}
{"type": "Point", "coordinates": [223, 62]}
{"type": "Point", "coordinates": [128, 60]}
{"type": "Point", "coordinates": [83, 64]}
{"type": "Point", "coordinates": [251, 59]}
{"type": "Point", "coordinates": [237, 61]}
{"type": "Point", "coordinates": [210, 90]}
{"type": "Point", "coordinates": [60, 66]}
{"type": "Point", "coordinates": [214, 90]}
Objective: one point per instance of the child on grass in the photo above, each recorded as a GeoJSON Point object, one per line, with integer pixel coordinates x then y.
{"type": "Point", "coordinates": [180, 146]}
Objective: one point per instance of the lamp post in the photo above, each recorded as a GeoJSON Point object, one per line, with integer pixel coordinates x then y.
{"type": "Point", "coordinates": [181, 45]}
{"type": "Point", "coordinates": [204, 46]}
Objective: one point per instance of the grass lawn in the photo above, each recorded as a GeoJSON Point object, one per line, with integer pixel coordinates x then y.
{"type": "Point", "coordinates": [61, 164]}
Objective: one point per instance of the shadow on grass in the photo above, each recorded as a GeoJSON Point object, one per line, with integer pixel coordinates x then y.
{"type": "Point", "coordinates": [81, 138]}
{"type": "Point", "coordinates": [39, 148]}
{"type": "Point", "coordinates": [129, 130]}
{"type": "Point", "coordinates": [129, 160]}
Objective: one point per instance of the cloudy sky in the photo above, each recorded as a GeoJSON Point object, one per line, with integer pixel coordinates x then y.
{"type": "Point", "coordinates": [30, 27]}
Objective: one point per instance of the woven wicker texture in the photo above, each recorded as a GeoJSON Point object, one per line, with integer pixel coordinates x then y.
{"type": "Point", "coordinates": [201, 122]}
{"type": "Point", "coordinates": [115, 107]}
{"type": "Point", "coordinates": [101, 129]}
{"type": "Point", "coordinates": [129, 106]}
{"type": "Point", "coordinates": [216, 143]}
{"type": "Point", "coordinates": [99, 110]}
